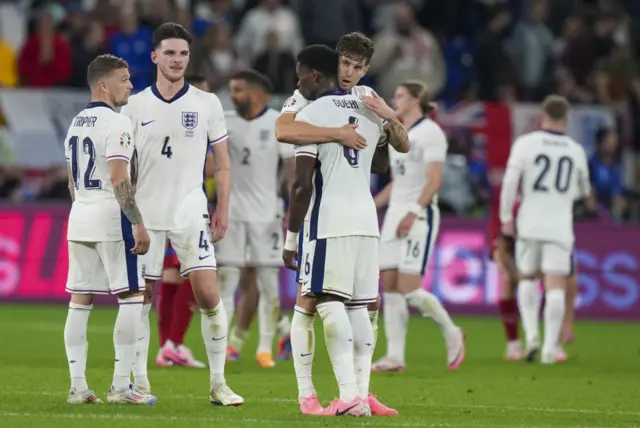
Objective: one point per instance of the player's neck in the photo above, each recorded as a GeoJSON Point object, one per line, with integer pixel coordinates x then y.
{"type": "Point", "coordinates": [168, 89]}
{"type": "Point", "coordinates": [556, 128]}
{"type": "Point", "coordinates": [411, 118]}
{"type": "Point", "coordinates": [254, 112]}
{"type": "Point", "coordinates": [99, 99]}
{"type": "Point", "coordinates": [327, 86]}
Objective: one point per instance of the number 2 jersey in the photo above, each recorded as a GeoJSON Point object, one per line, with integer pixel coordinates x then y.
{"type": "Point", "coordinates": [96, 135]}
{"type": "Point", "coordinates": [255, 155]}
{"type": "Point", "coordinates": [554, 174]}
{"type": "Point", "coordinates": [172, 137]}
{"type": "Point", "coordinates": [342, 204]}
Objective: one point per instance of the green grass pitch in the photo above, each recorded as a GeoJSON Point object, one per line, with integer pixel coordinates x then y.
{"type": "Point", "coordinates": [598, 387]}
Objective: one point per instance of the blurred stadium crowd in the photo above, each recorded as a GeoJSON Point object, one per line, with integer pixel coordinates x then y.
{"type": "Point", "coordinates": [503, 51]}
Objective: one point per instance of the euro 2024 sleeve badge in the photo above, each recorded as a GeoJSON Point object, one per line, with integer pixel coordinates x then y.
{"type": "Point", "coordinates": [125, 140]}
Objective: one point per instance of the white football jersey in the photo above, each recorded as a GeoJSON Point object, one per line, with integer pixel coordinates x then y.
{"type": "Point", "coordinates": [297, 102]}
{"type": "Point", "coordinates": [255, 154]}
{"type": "Point", "coordinates": [428, 144]}
{"type": "Point", "coordinates": [342, 204]}
{"type": "Point", "coordinates": [554, 174]}
{"type": "Point", "coordinates": [172, 137]}
{"type": "Point", "coordinates": [96, 135]}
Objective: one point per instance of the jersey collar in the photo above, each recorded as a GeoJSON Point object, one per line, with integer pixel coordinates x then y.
{"type": "Point", "coordinates": [416, 123]}
{"type": "Point", "coordinates": [176, 97]}
{"type": "Point", "coordinates": [94, 104]}
{"type": "Point", "coordinates": [335, 92]}
{"type": "Point", "coordinates": [553, 132]}
{"type": "Point", "coordinates": [266, 108]}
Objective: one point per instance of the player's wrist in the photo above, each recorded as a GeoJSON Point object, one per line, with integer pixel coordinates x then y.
{"type": "Point", "coordinates": [416, 209]}
{"type": "Point", "coordinates": [291, 241]}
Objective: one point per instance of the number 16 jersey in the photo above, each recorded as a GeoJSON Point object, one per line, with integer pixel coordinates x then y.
{"type": "Point", "coordinates": [172, 137]}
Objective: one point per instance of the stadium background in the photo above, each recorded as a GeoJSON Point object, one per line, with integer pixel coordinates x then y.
{"type": "Point", "coordinates": [486, 62]}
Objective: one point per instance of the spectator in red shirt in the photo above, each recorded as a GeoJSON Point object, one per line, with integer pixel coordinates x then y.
{"type": "Point", "coordinates": [45, 59]}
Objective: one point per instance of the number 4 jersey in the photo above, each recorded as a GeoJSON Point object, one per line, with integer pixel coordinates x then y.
{"type": "Point", "coordinates": [171, 138]}
{"type": "Point", "coordinates": [554, 174]}
{"type": "Point", "coordinates": [97, 135]}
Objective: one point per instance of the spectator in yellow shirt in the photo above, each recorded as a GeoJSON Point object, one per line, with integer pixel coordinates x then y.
{"type": "Point", "coordinates": [8, 66]}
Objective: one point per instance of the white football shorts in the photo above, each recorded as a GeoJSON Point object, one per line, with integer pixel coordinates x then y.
{"type": "Point", "coordinates": [192, 246]}
{"type": "Point", "coordinates": [251, 244]}
{"type": "Point", "coordinates": [103, 268]}
{"type": "Point", "coordinates": [409, 255]}
{"type": "Point", "coordinates": [346, 266]}
{"type": "Point", "coordinates": [551, 258]}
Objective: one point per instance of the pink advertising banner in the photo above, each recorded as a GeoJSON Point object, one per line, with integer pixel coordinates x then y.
{"type": "Point", "coordinates": [33, 264]}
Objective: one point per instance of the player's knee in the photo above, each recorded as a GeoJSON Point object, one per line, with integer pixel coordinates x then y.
{"type": "Point", "coordinates": [171, 276]}
{"type": "Point", "coordinates": [375, 306]}
{"type": "Point", "coordinates": [248, 279]}
{"type": "Point", "coordinates": [306, 303]}
{"type": "Point", "coordinates": [326, 298]}
{"type": "Point", "coordinates": [267, 282]}
{"type": "Point", "coordinates": [82, 299]}
{"type": "Point", "coordinates": [125, 295]}
{"type": "Point", "coordinates": [408, 282]}
{"type": "Point", "coordinates": [389, 280]}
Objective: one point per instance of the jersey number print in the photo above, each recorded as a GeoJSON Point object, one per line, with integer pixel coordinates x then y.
{"type": "Point", "coordinates": [351, 155]}
{"type": "Point", "coordinates": [564, 169]}
{"type": "Point", "coordinates": [89, 149]}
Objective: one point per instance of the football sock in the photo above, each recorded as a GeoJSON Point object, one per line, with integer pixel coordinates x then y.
{"type": "Point", "coordinates": [529, 305]}
{"type": "Point", "coordinates": [268, 307]}
{"type": "Point", "coordinates": [303, 343]}
{"type": "Point", "coordinates": [183, 308]}
{"type": "Point", "coordinates": [338, 336]}
{"type": "Point", "coordinates": [237, 338]}
{"type": "Point", "coordinates": [396, 319]}
{"type": "Point", "coordinates": [509, 317]}
{"type": "Point", "coordinates": [75, 343]}
{"type": "Point", "coordinates": [363, 344]}
{"type": "Point", "coordinates": [214, 332]}
{"type": "Point", "coordinates": [430, 306]}
{"type": "Point", "coordinates": [228, 279]}
{"type": "Point", "coordinates": [140, 378]}
{"type": "Point", "coordinates": [283, 329]}
{"type": "Point", "coordinates": [373, 319]}
{"type": "Point", "coordinates": [553, 315]}
{"type": "Point", "coordinates": [125, 338]}
{"type": "Point", "coordinates": [164, 305]}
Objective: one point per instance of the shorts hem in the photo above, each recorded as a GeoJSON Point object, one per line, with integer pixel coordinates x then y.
{"type": "Point", "coordinates": [409, 272]}
{"type": "Point", "coordinates": [388, 267]}
{"type": "Point", "coordinates": [230, 263]}
{"type": "Point", "coordinates": [360, 302]}
{"type": "Point", "coordinates": [96, 292]}
{"type": "Point", "coordinates": [152, 277]}
{"type": "Point", "coordinates": [195, 268]}
{"type": "Point", "coordinates": [127, 288]}
{"type": "Point", "coordinates": [310, 293]}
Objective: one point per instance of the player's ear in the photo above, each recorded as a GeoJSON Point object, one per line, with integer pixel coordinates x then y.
{"type": "Point", "coordinates": [154, 57]}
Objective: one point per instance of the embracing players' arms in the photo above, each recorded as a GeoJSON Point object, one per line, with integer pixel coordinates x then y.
{"type": "Point", "coordinates": [288, 130]}
{"type": "Point", "coordinates": [222, 171]}
{"type": "Point", "coordinates": [301, 193]}
{"type": "Point", "coordinates": [380, 163]}
{"type": "Point", "coordinates": [396, 132]}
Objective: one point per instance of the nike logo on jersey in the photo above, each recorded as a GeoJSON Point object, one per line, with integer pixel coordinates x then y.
{"type": "Point", "coordinates": [344, 412]}
{"type": "Point", "coordinates": [203, 257]}
{"type": "Point", "coordinates": [146, 123]}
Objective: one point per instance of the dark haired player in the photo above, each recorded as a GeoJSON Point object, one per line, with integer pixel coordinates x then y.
{"type": "Point", "coordinates": [255, 238]}
{"type": "Point", "coordinates": [174, 123]}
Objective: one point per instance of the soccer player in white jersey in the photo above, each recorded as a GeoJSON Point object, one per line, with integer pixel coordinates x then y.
{"type": "Point", "coordinates": [106, 232]}
{"type": "Point", "coordinates": [254, 235]}
{"type": "Point", "coordinates": [355, 51]}
{"type": "Point", "coordinates": [337, 258]}
{"type": "Point", "coordinates": [411, 227]}
{"type": "Point", "coordinates": [173, 124]}
{"type": "Point", "coordinates": [552, 171]}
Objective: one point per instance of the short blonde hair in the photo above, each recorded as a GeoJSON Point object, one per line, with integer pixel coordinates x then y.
{"type": "Point", "coordinates": [419, 90]}
{"type": "Point", "coordinates": [556, 107]}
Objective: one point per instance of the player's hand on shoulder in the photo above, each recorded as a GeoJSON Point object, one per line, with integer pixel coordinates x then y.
{"type": "Point", "coordinates": [350, 138]}
{"type": "Point", "coordinates": [141, 238]}
{"type": "Point", "coordinates": [379, 106]}
{"type": "Point", "coordinates": [290, 259]}
{"type": "Point", "coordinates": [219, 222]}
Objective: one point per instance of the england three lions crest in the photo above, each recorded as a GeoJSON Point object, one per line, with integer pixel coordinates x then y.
{"type": "Point", "coordinates": [189, 119]}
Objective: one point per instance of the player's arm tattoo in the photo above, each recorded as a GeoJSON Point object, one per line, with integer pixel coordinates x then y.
{"type": "Point", "coordinates": [125, 195]}
{"type": "Point", "coordinates": [398, 136]}
{"type": "Point", "coordinates": [380, 164]}
{"type": "Point", "coordinates": [301, 192]}
{"type": "Point", "coordinates": [71, 186]}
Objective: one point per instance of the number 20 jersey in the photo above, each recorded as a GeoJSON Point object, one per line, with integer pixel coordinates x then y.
{"type": "Point", "coordinates": [172, 137]}
{"type": "Point", "coordinates": [96, 135]}
{"type": "Point", "coordinates": [342, 204]}
{"type": "Point", "coordinates": [554, 174]}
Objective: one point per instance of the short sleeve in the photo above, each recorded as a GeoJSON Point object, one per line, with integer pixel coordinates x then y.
{"type": "Point", "coordinates": [67, 147]}
{"type": "Point", "coordinates": [516, 157]}
{"type": "Point", "coordinates": [310, 150]}
{"type": "Point", "coordinates": [286, 150]}
{"type": "Point", "coordinates": [217, 127]}
{"type": "Point", "coordinates": [119, 140]}
{"type": "Point", "coordinates": [435, 142]}
{"type": "Point", "coordinates": [294, 103]}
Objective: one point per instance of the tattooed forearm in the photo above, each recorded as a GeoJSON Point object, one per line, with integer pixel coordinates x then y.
{"type": "Point", "coordinates": [125, 196]}
{"type": "Point", "coordinates": [398, 136]}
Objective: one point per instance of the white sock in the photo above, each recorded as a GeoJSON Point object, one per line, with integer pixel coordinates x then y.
{"type": "Point", "coordinates": [338, 336]}
{"type": "Point", "coordinates": [214, 332]}
{"type": "Point", "coordinates": [75, 343]}
{"type": "Point", "coordinates": [283, 329]}
{"type": "Point", "coordinates": [373, 319]}
{"type": "Point", "coordinates": [430, 306]}
{"type": "Point", "coordinates": [553, 315]}
{"type": "Point", "coordinates": [140, 377]}
{"type": "Point", "coordinates": [363, 344]}
{"type": "Point", "coordinates": [237, 338]}
{"type": "Point", "coordinates": [125, 339]}
{"type": "Point", "coordinates": [228, 279]}
{"type": "Point", "coordinates": [303, 344]}
{"type": "Point", "coordinates": [268, 306]}
{"type": "Point", "coordinates": [396, 318]}
{"type": "Point", "coordinates": [529, 307]}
